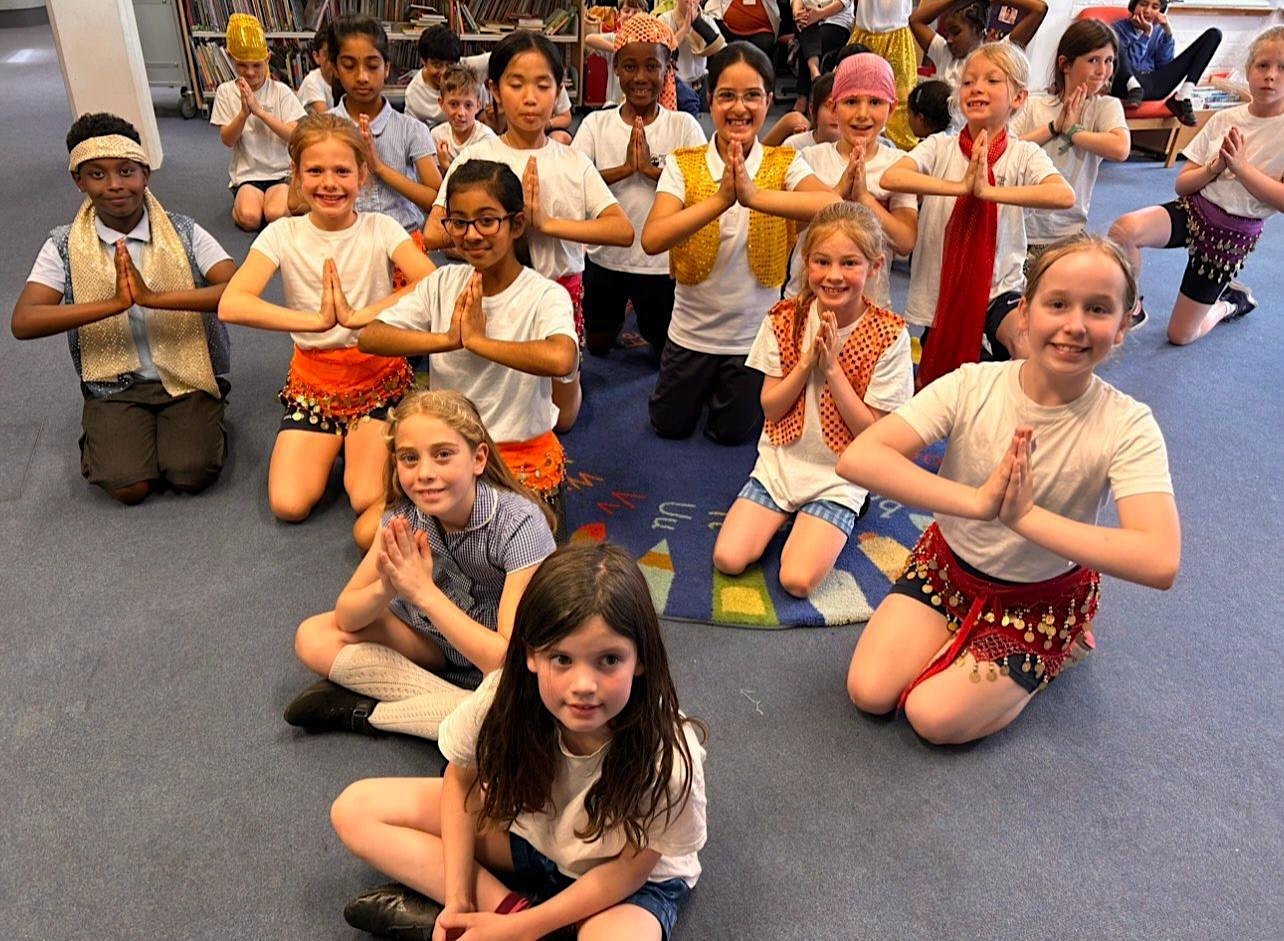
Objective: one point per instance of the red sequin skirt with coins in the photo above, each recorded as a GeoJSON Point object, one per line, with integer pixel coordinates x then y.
{"type": "Point", "coordinates": [1046, 623]}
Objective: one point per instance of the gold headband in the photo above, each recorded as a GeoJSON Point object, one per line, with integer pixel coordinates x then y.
{"type": "Point", "coordinates": [115, 146]}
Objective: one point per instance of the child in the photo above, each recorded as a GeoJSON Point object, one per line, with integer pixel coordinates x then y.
{"type": "Point", "coordinates": [1147, 70]}
{"type": "Point", "coordinates": [461, 99]}
{"type": "Point", "coordinates": [965, 276]}
{"type": "Point", "coordinates": [722, 212]}
{"type": "Point", "coordinates": [822, 26]}
{"type": "Point", "coordinates": [1231, 183]}
{"type": "Point", "coordinates": [928, 108]}
{"type": "Point", "coordinates": [820, 113]}
{"type": "Point", "coordinates": [883, 27]}
{"type": "Point", "coordinates": [335, 271]}
{"type": "Point", "coordinates": [568, 204]}
{"type": "Point", "coordinates": [863, 96]}
{"type": "Point", "coordinates": [496, 331]}
{"type": "Point", "coordinates": [125, 282]}
{"type": "Point", "coordinates": [316, 91]}
{"type": "Point", "coordinates": [833, 365]}
{"type": "Point", "coordinates": [629, 145]}
{"type": "Point", "coordinates": [698, 38]}
{"type": "Point", "coordinates": [430, 607]}
{"type": "Point", "coordinates": [255, 116]}
{"type": "Point", "coordinates": [1077, 126]}
{"type": "Point", "coordinates": [399, 150]}
{"type": "Point", "coordinates": [439, 49]}
{"type": "Point", "coordinates": [1005, 583]}
{"type": "Point", "coordinates": [572, 774]}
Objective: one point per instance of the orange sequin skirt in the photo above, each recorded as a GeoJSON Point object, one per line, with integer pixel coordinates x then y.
{"type": "Point", "coordinates": [334, 388]}
{"type": "Point", "coordinates": [540, 463]}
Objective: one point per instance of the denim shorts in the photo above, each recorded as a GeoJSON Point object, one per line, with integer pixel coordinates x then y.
{"type": "Point", "coordinates": [833, 513]}
{"type": "Point", "coordinates": [539, 878]}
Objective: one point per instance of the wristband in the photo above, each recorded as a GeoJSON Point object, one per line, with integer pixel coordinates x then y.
{"type": "Point", "coordinates": [1052, 130]}
{"type": "Point", "coordinates": [1070, 132]}
{"type": "Point", "coordinates": [702, 28]}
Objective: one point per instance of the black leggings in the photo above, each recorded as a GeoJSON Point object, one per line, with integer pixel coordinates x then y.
{"type": "Point", "coordinates": [764, 41]}
{"type": "Point", "coordinates": [1161, 83]}
{"type": "Point", "coordinates": [815, 41]}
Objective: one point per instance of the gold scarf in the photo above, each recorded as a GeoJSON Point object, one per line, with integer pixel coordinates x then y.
{"type": "Point", "coordinates": [176, 337]}
{"type": "Point", "coordinates": [770, 237]}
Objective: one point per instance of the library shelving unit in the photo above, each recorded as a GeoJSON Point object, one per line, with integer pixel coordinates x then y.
{"type": "Point", "coordinates": [291, 24]}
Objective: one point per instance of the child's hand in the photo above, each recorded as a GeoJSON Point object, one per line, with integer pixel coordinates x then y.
{"type": "Point", "coordinates": [827, 335]}
{"type": "Point", "coordinates": [746, 190]}
{"type": "Point", "coordinates": [852, 186]}
{"type": "Point", "coordinates": [449, 911]}
{"type": "Point", "coordinates": [249, 104]}
{"type": "Point", "coordinates": [327, 316]}
{"type": "Point", "coordinates": [469, 314]}
{"type": "Point", "coordinates": [405, 560]}
{"type": "Point", "coordinates": [976, 180]}
{"type": "Point", "coordinates": [124, 296]}
{"type": "Point", "coordinates": [343, 312]}
{"type": "Point", "coordinates": [1018, 498]}
{"type": "Point", "coordinates": [726, 194]}
{"type": "Point", "coordinates": [639, 147]}
{"type": "Point", "coordinates": [445, 154]}
{"type": "Point", "coordinates": [530, 189]}
{"type": "Point", "coordinates": [143, 295]}
{"type": "Point", "coordinates": [372, 152]}
{"type": "Point", "coordinates": [1232, 149]}
{"type": "Point", "coordinates": [479, 926]}
{"type": "Point", "coordinates": [989, 496]}
{"type": "Point", "coordinates": [1071, 109]}
{"type": "Point", "coordinates": [795, 122]}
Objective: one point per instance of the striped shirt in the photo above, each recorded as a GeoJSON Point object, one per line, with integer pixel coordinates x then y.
{"type": "Point", "coordinates": [401, 141]}
{"type": "Point", "coordinates": [505, 533]}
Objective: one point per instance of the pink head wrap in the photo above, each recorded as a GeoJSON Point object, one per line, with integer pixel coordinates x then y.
{"type": "Point", "coordinates": [642, 27]}
{"type": "Point", "coordinates": [864, 74]}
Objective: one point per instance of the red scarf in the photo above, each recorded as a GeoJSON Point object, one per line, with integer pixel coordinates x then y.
{"type": "Point", "coordinates": [967, 270]}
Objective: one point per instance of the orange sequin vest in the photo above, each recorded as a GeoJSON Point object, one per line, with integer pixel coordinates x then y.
{"type": "Point", "coordinates": [877, 330]}
{"type": "Point", "coordinates": [770, 237]}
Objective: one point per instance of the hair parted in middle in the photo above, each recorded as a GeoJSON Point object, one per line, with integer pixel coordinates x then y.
{"type": "Point", "coordinates": [1080, 38]}
{"type": "Point", "coordinates": [846, 218]}
{"type": "Point", "coordinates": [1085, 242]}
{"type": "Point", "coordinates": [314, 128]}
{"type": "Point", "coordinates": [517, 746]}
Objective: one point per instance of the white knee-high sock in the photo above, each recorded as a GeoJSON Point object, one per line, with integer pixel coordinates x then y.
{"type": "Point", "coordinates": [382, 673]}
{"type": "Point", "coordinates": [420, 715]}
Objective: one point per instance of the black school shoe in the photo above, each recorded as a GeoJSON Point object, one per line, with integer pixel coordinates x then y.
{"type": "Point", "coordinates": [328, 707]}
{"type": "Point", "coordinates": [1139, 316]}
{"type": "Point", "coordinates": [1133, 97]}
{"type": "Point", "coordinates": [393, 911]}
{"type": "Point", "coordinates": [1184, 110]}
{"type": "Point", "coordinates": [1240, 299]}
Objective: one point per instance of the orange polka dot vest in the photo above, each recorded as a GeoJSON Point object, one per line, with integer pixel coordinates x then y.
{"type": "Point", "coordinates": [876, 331]}
{"type": "Point", "coordinates": [770, 237]}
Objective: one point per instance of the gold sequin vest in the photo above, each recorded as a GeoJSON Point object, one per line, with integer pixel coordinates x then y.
{"type": "Point", "coordinates": [877, 330]}
{"type": "Point", "coordinates": [770, 237]}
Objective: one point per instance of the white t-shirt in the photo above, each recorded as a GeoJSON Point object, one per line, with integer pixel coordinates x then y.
{"type": "Point", "coordinates": [1103, 440]}
{"type": "Point", "coordinates": [948, 68]}
{"type": "Point", "coordinates": [314, 88]}
{"type": "Point", "coordinates": [603, 137]}
{"type": "Point", "coordinates": [514, 405]}
{"type": "Point", "coordinates": [259, 154]}
{"type": "Point", "coordinates": [569, 188]}
{"type": "Point", "coordinates": [800, 141]}
{"type": "Point", "coordinates": [424, 102]}
{"type": "Point", "coordinates": [692, 63]}
{"type": "Point", "coordinates": [678, 840]}
{"type": "Point", "coordinates": [721, 314]}
{"type": "Point", "coordinates": [1023, 164]}
{"type": "Point", "coordinates": [1263, 148]}
{"type": "Point", "coordinates": [799, 473]}
{"type": "Point", "coordinates": [49, 271]}
{"type": "Point", "coordinates": [362, 253]}
{"type": "Point", "coordinates": [882, 16]}
{"type": "Point", "coordinates": [829, 165]}
{"type": "Point", "coordinates": [842, 18]}
{"type": "Point", "coordinates": [443, 134]}
{"type": "Point", "coordinates": [1101, 113]}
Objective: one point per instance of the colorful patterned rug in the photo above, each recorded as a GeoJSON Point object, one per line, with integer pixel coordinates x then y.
{"type": "Point", "coordinates": [664, 500]}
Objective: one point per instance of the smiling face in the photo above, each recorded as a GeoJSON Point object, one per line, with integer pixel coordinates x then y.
{"type": "Point", "coordinates": [585, 680]}
{"type": "Point", "coordinates": [739, 104]}
{"type": "Point", "coordinates": [1093, 70]}
{"type": "Point", "coordinates": [987, 95]}
{"type": "Point", "coordinates": [361, 69]}
{"type": "Point", "coordinates": [115, 187]}
{"type": "Point", "coordinates": [1076, 316]}
{"type": "Point", "coordinates": [254, 73]}
{"type": "Point", "coordinates": [460, 108]}
{"type": "Point", "coordinates": [861, 117]}
{"type": "Point", "coordinates": [489, 241]}
{"type": "Point", "coordinates": [836, 273]}
{"type": "Point", "coordinates": [1266, 79]}
{"type": "Point", "coordinates": [330, 175]}
{"type": "Point", "coordinates": [436, 469]}
{"type": "Point", "coordinates": [527, 92]}
{"type": "Point", "coordinates": [641, 67]}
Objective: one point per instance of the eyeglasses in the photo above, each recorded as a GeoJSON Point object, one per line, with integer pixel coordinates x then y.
{"type": "Point", "coordinates": [726, 97]}
{"type": "Point", "coordinates": [485, 225]}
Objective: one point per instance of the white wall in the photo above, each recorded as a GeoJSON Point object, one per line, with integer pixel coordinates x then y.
{"type": "Point", "coordinates": [102, 64]}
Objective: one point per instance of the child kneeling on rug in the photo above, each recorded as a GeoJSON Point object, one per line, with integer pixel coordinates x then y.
{"type": "Point", "coordinates": [430, 608]}
{"type": "Point", "coordinates": [833, 364]}
{"type": "Point", "coordinates": [135, 288]}
{"type": "Point", "coordinates": [1004, 585]}
{"type": "Point", "coordinates": [572, 775]}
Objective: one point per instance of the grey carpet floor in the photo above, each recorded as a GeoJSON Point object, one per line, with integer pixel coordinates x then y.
{"type": "Point", "coordinates": [150, 789]}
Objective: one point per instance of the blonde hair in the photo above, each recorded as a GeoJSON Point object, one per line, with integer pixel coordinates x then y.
{"type": "Point", "coordinates": [458, 412]}
{"type": "Point", "coordinates": [318, 127]}
{"type": "Point", "coordinates": [1266, 36]}
{"type": "Point", "coordinates": [460, 78]}
{"type": "Point", "coordinates": [1008, 58]}
{"type": "Point", "coordinates": [851, 220]}
{"type": "Point", "coordinates": [1085, 242]}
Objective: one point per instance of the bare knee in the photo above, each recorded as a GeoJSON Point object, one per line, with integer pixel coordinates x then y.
{"type": "Point", "coordinates": [317, 641]}
{"type": "Point", "coordinates": [291, 507]}
{"type": "Point", "coordinates": [937, 723]}
{"type": "Point", "coordinates": [799, 582]}
{"type": "Point", "coordinates": [248, 218]}
{"type": "Point", "coordinates": [868, 688]}
{"type": "Point", "coordinates": [1180, 337]}
{"type": "Point", "coordinates": [730, 560]}
{"type": "Point", "coordinates": [349, 816]}
{"type": "Point", "coordinates": [131, 494]}
{"type": "Point", "coordinates": [1124, 230]}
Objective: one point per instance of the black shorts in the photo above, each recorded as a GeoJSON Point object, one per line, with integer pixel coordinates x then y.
{"type": "Point", "coordinates": [606, 294]}
{"type": "Point", "coordinates": [294, 420]}
{"type": "Point", "coordinates": [261, 185]}
{"type": "Point", "coordinates": [1202, 288]}
{"type": "Point", "coordinates": [992, 351]}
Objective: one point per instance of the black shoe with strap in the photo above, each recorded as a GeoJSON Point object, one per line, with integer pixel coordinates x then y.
{"type": "Point", "coordinates": [1183, 109]}
{"type": "Point", "coordinates": [328, 707]}
{"type": "Point", "coordinates": [393, 911]}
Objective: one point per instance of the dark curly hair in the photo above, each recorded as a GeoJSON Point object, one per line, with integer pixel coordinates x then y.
{"type": "Point", "coordinates": [100, 124]}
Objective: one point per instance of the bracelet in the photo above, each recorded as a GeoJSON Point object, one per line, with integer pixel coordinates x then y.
{"type": "Point", "coordinates": [1070, 132]}
{"type": "Point", "coordinates": [1052, 130]}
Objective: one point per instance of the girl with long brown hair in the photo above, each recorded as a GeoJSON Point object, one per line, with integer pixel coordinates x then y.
{"type": "Point", "coordinates": [572, 773]}
{"type": "Point", "coordinates": [430, 608]}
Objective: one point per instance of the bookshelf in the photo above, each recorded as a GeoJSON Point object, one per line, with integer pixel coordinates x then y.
{"type": "Point", "coordinates": [291, 24]}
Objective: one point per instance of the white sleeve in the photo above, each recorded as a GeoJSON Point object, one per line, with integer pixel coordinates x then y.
{"type": "Point", "coordinates": [892, 383]}
{"type": "Point", "coordinates": [227, 104]}
{"type": "Point", "coordinates": [310, 89]}
{"type": "Point", "coordinates": [206, 249]}
{"type": "Point", "coordinates": [288, 104]}
{"type": "Point", "coordinates": [939, 52]}
{"type": "Point", "coordinates": [585, 139]}
{"type": "Point", "coordinates": [555, 317]}
{"type": "Point", "coordinates": [902, 201]}
{"type": "Point", "coordinates": [687, 831]}
{"type": "Point", "coordinates": [457, 736]}
{"type": "Point", "coordinates": [933, 411]}
{"type": "Point", "coordinates": [414, 311]}
{"type": "Point", "coordinates": [268, 243]}
{"type": "Point", "coordinates": [799, 170]}
{"type": "Point", "coordinates": [692, 133]}
{"type": "Point", "coordinates": [672, 181]}
{"type": "Point", "coordinates": [1139, 463]}
{"type": "Point", "coordinates": [1207, 142]}
{"type": "Point", "coordinates": [48, 269]}
{"type": "Point", "coordinates": [764, 355]}
{"type": "Point", "coordinates": [926, 156]}
{"type": "Point", "coordinates": [1038, 166]}
{"type": "Point", "coordinates": [597, 195]}
{"type": "Point", "coordinates": [391, 234]}
{"type": "Point", "coordinates": [1110, 114]}
{"type": "Point", "coordinates": [563, 103]}
{"type": "Point", "coordinates": [445, 180]}
{"type": "Point", "coordinates": [1023, 123]}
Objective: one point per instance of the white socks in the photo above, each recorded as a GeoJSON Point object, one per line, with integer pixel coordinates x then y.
{"type": "Point", "coordinates": [413, 701]}
{"type": "Point", "coordinates": [1132, 82]}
